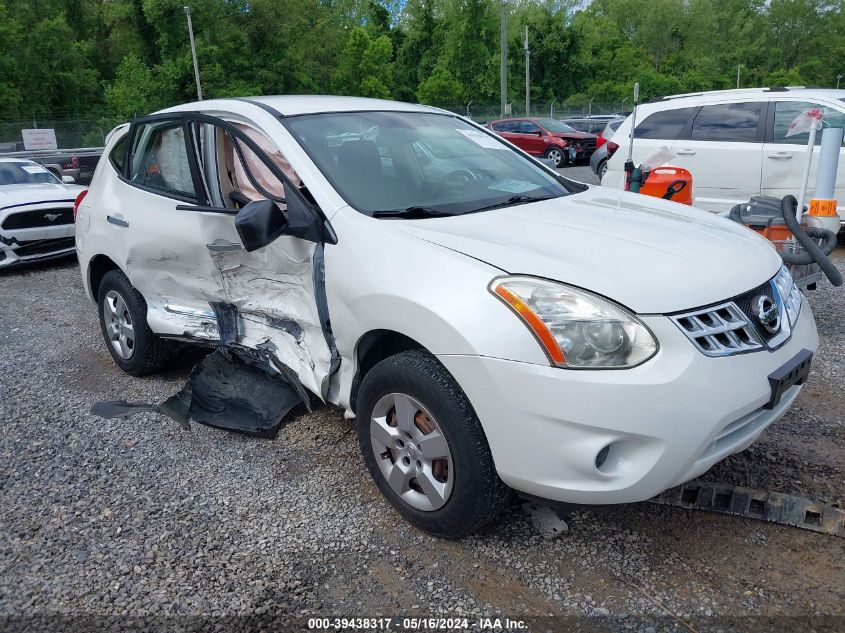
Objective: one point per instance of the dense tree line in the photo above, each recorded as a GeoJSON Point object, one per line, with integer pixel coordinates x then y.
{"type": "Point", "coordinates": [118, 57]}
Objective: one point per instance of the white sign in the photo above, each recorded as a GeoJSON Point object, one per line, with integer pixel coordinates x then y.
{"type": "Point", "coordinates": [39, 139]}
{"type": "Point", "coordinates": [482, 138]}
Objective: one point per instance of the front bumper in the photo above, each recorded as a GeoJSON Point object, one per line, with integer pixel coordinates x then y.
{"type": "Point", "coordinates": [29, 244]}
{"type": "Point", "coordinates": [665, 422]}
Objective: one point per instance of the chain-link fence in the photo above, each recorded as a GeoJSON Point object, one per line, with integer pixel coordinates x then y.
{"type": "Point", "coordinates": [79, 133]}
{"type": "Point", "coordinates": [483, 112]}
{"type": "Point", "coordinates": [67, 147]}
{"type": "Point", "coordinates": [69, 133]}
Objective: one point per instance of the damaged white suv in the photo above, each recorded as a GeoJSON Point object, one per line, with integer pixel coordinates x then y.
{"type": "Point", "coordinates": [490, 324]}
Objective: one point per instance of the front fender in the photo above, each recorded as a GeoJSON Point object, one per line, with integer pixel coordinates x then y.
{"type": "Point", "coordinates": [379, 278]}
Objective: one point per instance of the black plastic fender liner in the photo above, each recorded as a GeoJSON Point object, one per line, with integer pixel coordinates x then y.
{"type": "Point", "coordinates": [225, 391]}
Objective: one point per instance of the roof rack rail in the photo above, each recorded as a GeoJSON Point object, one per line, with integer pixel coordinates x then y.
{"type": "Point", "coordinates": [728, 92]}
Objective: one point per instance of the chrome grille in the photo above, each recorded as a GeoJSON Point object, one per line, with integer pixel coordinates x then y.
{"type": "Point", "coordinates": [720, 330]}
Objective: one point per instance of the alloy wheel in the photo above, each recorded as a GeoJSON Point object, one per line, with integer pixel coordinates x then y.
{"type": "Point", "coordinates": [556, 155]}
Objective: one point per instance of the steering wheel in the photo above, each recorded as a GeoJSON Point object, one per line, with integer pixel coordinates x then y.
{"type": "Point", "coordinates": [460, 177]}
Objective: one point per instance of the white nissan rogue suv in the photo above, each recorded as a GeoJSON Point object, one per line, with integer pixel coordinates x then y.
{"type": "Point", "coordinates": [490, 324]}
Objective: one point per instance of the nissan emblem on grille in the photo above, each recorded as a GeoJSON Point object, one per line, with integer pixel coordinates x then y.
{"type": "Point", "coordinates": [767, 314]}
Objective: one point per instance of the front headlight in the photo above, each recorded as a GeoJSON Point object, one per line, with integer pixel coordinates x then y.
{"type": "Point", "coordinates": [576, 328]}
{"type": "Point", "coordinates": [789, 294]}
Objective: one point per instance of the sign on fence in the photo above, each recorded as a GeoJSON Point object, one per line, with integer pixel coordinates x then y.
{"type": "Point", "coordinates": [43, 138]}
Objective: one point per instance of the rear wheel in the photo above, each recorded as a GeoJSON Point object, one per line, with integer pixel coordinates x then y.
{"type": "Point", "coordinates": [555, 154]}
{"type": "Point", "coordinates": [602, 169]}
{"type": "Point", "coordinates": [123, 322]}
{"type": "Point", "coordinates": [424, 446]}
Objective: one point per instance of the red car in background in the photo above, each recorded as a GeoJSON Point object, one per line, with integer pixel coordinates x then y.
{"type": "Point", "coordinates": [547, 137]}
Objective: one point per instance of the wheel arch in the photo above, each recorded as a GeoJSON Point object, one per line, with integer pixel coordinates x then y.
{"type": "Point", "coordinates": [98, 267]}
{"type": "Point", "coordinates": [373, 347]}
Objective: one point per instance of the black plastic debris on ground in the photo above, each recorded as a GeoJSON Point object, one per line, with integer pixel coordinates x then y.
{"type": "Point", "coordinates": [764, 505]}
{"type": "Point", "coordinates": [225, 392]}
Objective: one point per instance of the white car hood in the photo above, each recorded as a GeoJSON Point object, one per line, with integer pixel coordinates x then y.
{"type": "Point", "coordinates": [650, 255]}
{"type": "Point", "coordinates": [13, 195]}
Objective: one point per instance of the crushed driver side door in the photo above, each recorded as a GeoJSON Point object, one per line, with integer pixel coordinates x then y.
{"type": "Point", "coordinates": [271, 302]}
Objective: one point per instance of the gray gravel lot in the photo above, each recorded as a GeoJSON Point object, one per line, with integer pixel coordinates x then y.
{"type": "Point", "coordinates": [136, 517]}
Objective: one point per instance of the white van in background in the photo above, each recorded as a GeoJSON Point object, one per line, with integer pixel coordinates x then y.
{"type": "Point", "coordinates": [733, 141]}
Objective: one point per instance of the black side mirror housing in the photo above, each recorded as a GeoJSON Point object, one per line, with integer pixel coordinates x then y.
{"type": "Point", "coordinates": [259, 223]}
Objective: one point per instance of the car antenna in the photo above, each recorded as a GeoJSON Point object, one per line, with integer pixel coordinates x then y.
{"type": "Point", "coordinates": [633, 176]}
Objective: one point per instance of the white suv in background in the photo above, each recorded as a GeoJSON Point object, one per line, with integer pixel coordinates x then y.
{"type": "Point", "coordinates": [734, 141]}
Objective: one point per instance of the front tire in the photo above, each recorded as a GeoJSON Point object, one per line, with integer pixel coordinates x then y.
{"type": "Point", "coordinates": [555, 154]}
{"type": "Point", "coordinates": [424, 446]}
{"type": "Point", "coordinates": [123, 322]}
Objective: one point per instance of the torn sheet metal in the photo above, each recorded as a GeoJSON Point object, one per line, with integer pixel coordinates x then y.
{"type": "Point", "coordinates": [225, 391]}
{"type": "Point", "coordinates": [273, 291]}
{"type": "Point", "coordinates": [774, 507]}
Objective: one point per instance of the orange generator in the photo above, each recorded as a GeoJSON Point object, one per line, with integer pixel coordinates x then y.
{"type": "Point", "coordinates": [669, 183]}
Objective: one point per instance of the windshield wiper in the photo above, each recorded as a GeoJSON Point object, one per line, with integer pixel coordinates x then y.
{"type": "Point", "coordinates": [512, 200]}
{"type": "Point", "coordinates": [412, 213]}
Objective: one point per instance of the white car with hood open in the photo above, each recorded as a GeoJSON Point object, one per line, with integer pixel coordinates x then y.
{"type": "Point", "coordinates": [489, 323]}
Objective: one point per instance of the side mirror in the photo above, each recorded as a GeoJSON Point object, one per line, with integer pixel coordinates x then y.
{"type": "Point", "coordinates": [68, 180]}
{"type": "Point", "coordinates": [259, 223]}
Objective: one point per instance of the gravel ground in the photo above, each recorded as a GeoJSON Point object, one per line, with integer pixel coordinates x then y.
{"type": "Point", "coordinates": [138, 518]}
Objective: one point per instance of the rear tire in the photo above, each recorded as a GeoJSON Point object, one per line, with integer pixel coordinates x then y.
{"type": "Point", "coordinates": [123, 322]}
{"type": "Point", "coordinates": [470, 494]}
{"type": "Point", "coordinates": [602, 170]}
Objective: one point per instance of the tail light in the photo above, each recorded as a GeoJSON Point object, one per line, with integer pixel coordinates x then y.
{"type": "Point", "coordinates": [600, 140]}
{"type": "Point", "coordinates": [611, 148]}
{"type": "Point", "coordinates": [78, 201]}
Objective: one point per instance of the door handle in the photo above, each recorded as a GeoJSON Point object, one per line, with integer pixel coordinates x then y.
{"type": "Point", "coordinates": [117, 220]}
{"type": "Point", "coordinates": [222, 246]}
{"type": "Point", "coordinates": [685, 152]}
{"type": "Point", "coordinates": [780, 155]}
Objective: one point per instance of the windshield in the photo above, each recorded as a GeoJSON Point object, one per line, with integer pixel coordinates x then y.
{"type": "Point", "coordinates": [383, 162]}
{"type": "Point", "coordinates": [555, 126]}
{"type": "Point", "coordinates": [25, 173]}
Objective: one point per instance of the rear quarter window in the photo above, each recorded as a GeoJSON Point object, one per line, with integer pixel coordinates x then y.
{"type": "Point", "coordinates": [117, 156]}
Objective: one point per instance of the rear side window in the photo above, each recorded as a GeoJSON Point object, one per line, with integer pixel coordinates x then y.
{"type": "Point", "coordinates": [118, 154]}
{"type": "Point", "coordinates": [611, 128]}
{"type": "Point", "coordinates": [785, 113]}
{"type": "Point", "coordinates": [736, 122]}
{"type": "Point", "coordinates": [506, 126]}
{"type": "Point", "coordinates": [666, 125]}
{"type": "Point", "coordinates": [527, 127]}
{"type": "Point", "coordinates": [159, 159]}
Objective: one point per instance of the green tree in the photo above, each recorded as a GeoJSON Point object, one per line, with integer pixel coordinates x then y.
{"type": "Point", "coordinates": [441, 89]}
{"type": "Point", "coordinates": [365, 68]}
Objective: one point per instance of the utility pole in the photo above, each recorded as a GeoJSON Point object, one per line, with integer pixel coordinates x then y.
{"type": "Point", "coordinates": [503, 61]}
{"type": "Point", "coordinates": [194, 52]}
{"type": "Point", "coordinates": [738, 66]}
{"type": "Point", "coordinates": [838, 77]}
{"type": "Point", "coordinates": [527, 77]}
